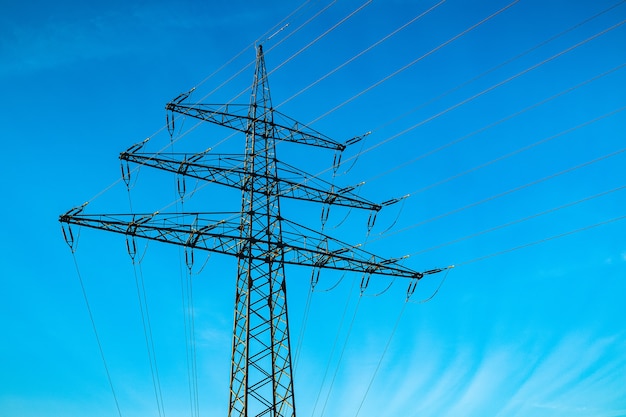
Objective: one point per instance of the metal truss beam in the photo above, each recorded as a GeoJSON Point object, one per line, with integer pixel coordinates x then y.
{"type": "Point", "coordinates": [258, 236]}
{"type": "Point", "coordinates": [299, 245]}
{"type": "Point", "coordinates": [235, 117]}
{"type": "Point", "coordinates": [229, 170]}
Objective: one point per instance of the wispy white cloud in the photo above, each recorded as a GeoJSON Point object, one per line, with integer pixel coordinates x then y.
{"type": "Point", "coordinates": [563, 380]}
{"type": "Point", "coordinates": [576, 375]}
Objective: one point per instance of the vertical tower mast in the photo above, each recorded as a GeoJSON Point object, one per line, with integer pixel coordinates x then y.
{"type": "Point", "coordinates": [261, 381]}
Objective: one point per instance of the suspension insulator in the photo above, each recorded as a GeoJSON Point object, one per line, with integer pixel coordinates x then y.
{"type": "Point", "coordinates": [169, 124]}
{"type": "Point", "coordinates": [371, 221]}
{"type": "Point", "coordinates": [125, 173]}
{"type": "Point", "coordinates": [411, 289]}
{"type": "Point", "coordinates": [181, 186]}
{"type": "Point", "coordinates": [189, 260]}
{"type": "Point", "coordinates": [315, 277]}
{"type": "Point", "coordinates": [325, 214]}
{"type": "Point", "coordinates": [365, 281]}
{"type": "Point", "coordinates": [69, 236]}
{"type": "Point", "coordinates": [131, 246]}
{"type": "Point", "coordinates": [337, 161]}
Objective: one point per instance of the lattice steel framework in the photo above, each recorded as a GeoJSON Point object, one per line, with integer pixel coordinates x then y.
{"type": "Point", "coordinates": [261, 381]}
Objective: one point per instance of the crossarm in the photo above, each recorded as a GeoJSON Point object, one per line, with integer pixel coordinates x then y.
{"type": "Point", "coordinates": [228, 170]}
{"type": "Point", "coordinates": [235, 117]}
{"type": "Point", "coordinates": [300, 245]}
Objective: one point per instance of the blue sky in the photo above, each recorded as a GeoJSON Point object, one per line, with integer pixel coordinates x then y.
{"type": "Point", "coordinates": [507, 137]}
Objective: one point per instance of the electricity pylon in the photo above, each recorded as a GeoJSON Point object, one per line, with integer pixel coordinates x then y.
{"type": "Point", "coordinates": [261, 239]}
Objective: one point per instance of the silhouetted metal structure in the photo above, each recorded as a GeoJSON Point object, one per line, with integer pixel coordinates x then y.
{"type": "Point", "coordinates": [261, 239]}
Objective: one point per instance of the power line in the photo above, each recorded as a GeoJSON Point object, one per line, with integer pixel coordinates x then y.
{"type": "Point", "coordinates": [71, 243]}
{"type": "Point", "coordinates": [369, 48]}
{"type": "Point", "coordinates": [147, 330]}
{"type": "Point", "coordinates": [498, 159]}
{"type": "Point", "coordinates": [520, 150]}
{"type": "Point", "coordinates": [251, 45]}
{"type": "Point", "coordinates": [288, 59]}
{"type": "Point", "coordinates": [415, 61]}
{"type": "Point", "coordinates": [485, 91]}
{"type": "Point", "coordinates": [260, 238]}
{"type": "Point", "coordinates": [426, 120]}
{"type": "Point", "coordinates": [502, 194]}
{"type": "Point", "coordinates": [144, 311]}
{"type": "Point", "coordinates": [569, 49]}
{"type": "Point", "coordinates": [521, 220]}
{"type": "Point", "coordinates": [546, 239]}
{"type": "Point", "coordinates": [251, 63]}
{"type": "Point", "coordinates": [380, 361]}
{"type": "Point", "coordinates": [498, 122]}
{"type": "Point", "coordinates": [343, 349]}
{"type": "Point", "coordinates": [395, 73]}
{"type": "Point", "coordinates": [335, 26]}
{"type": "Point", "coordinates": [164, 127]}
{"type": "Point", "coordinates": [334, 346]}
{"type": "Point", "coordinates": [619, 67]}
{"type": "Point", "coordinates": [503, 64]}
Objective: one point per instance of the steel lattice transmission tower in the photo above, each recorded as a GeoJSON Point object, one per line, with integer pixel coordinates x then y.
{"type": "Point", "coordinates": [261, 239]}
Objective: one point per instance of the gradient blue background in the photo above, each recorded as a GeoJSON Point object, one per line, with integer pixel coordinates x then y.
{"type": "Point", "coordinates": [537, 331]}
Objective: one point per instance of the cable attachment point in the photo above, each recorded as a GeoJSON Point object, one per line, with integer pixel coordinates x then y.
{"type": "Point", "coordinates": [274, 34]}
{"type": "Point", "coordinates": [67, 218]}
{"type": "Point", "coordinates": [323, 254]}
{"type": "Point", "coordinates": [429, 272]}
{"type": "Point", "coordinates": [181, 97]}
{"type": "Point", "coordinates": [394, 200]}
{"type": "Point", "coordinates": [369, 271]}
{"type": "Point", "coordinates": [134, 148]}
{"type": "Point", "coordinates": [169, 111]}
{"type": "Point", "coordinates": [391, 202]}
{"type": "Point", "coordinates": [357, 139]}
{"type": "Point", "coordinates": [339, 153]}
{"type": "Point", "coordinates": [131, 232]}
{"type": "Point", "coordinates": [437, 270]}
{"type": "Point", "coordinates": [195, 233]}
{"type": "Point", "coordinates": [350, 188]}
